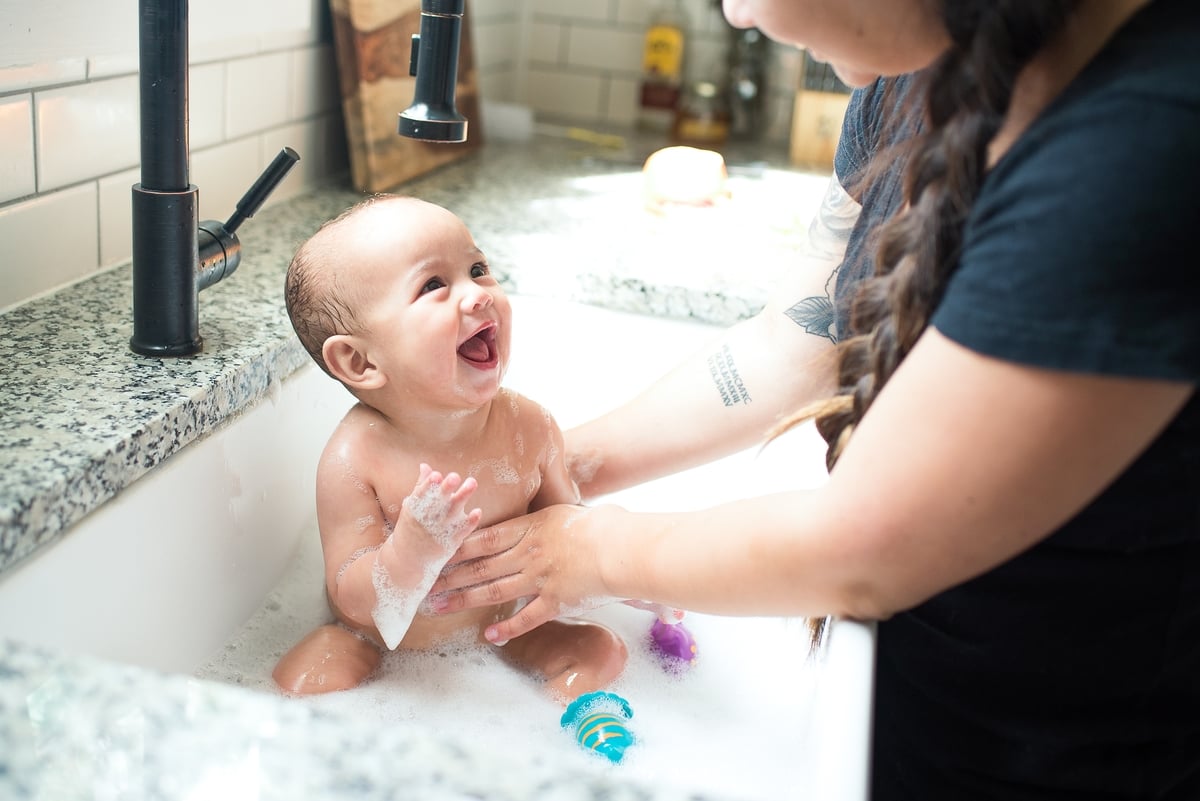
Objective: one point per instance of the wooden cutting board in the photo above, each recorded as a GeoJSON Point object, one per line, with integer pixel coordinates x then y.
{"type": "Point", "coordinates": [372, 44]}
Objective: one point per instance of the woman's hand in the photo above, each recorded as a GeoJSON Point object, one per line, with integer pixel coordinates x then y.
{"type": "Point", "coordinates": [549, 557]}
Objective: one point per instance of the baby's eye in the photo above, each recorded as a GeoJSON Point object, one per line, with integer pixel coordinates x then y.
{"type": "Point", "coordinates": [432, 284]}
{"type": "Point", "coordinates": [479, 269]}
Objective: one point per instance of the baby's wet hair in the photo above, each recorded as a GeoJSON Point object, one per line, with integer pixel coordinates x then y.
{"type": "Point", "coordinates": [317, 305]}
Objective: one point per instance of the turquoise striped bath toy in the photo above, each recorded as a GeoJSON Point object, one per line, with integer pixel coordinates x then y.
{"type": "Point", "coordinates": [598, 721]}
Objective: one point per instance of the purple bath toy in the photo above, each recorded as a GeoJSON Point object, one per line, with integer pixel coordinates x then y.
{"type": "Point", "coordinates": [675, 643]}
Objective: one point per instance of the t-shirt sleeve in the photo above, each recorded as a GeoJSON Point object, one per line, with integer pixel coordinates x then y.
{"type": "Point", "coordinates": [860, 132]}
{"type": "Point", "coordinates": [1081, 252]}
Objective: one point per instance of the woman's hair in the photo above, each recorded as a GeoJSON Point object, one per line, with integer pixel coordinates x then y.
{"type": "Point", "coordinates": [965, 96]}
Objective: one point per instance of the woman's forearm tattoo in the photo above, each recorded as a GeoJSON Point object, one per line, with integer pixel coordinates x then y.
{"type": "Point", "coordinates": [726, 377]}
{"type": "Point", "coordinates": [827, 238]}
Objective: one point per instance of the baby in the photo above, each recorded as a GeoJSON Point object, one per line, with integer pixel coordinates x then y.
{"type": "Point", "coordinates": [394, 299]}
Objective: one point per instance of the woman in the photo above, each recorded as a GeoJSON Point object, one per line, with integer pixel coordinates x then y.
{"type": "Point", "coordinates": [1014, 443]}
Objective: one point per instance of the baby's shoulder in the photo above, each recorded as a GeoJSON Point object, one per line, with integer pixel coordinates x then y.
{"type": "Point", "coordinates": [524, 411]}
{"type": "Point", "coordinates": [361, 432]}
{"type": "Point", "coordinates": [522, 407]}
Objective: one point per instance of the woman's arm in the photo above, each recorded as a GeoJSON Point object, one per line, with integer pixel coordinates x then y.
{"type": "Point", "coordinates": [782, 357]}
{"type": "Point", "coordinates": [962, 462]}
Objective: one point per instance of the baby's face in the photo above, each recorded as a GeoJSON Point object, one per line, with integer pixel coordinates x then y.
{"type": "Point", "coordinates": [438, 322]}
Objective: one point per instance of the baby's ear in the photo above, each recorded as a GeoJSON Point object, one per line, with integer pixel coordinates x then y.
{"type": "Point", "coordinates": [346, 357]}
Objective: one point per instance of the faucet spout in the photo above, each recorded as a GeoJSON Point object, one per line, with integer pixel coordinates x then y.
{"type": "Point", "coordinates": [174, 254]}
{"type": "Point", "coordinates": [433, 61]}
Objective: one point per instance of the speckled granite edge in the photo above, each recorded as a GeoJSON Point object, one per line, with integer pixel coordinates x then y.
{"type": "Point", "coordinates": [83, 417]}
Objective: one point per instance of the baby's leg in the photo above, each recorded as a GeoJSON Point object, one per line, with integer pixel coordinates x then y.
{"type": "Point", "coordinates": [329, 659]}
{"type": "Point", "coordinates": [574, 656]}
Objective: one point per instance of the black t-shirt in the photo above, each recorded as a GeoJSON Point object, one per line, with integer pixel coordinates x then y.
{"type": "Point", "coordinates": [1073, 670]}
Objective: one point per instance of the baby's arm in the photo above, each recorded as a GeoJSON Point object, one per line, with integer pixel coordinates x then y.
{"type": "Point", "coordinates": [383, 580]}
{"type": "Point", "coordinates": [557, 486]}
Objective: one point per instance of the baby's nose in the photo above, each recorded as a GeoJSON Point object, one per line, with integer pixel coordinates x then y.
{"type": "Point", "coordinates": [476, 298]}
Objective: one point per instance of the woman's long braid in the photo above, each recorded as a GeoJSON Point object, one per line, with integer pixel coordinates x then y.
{"type": "Point", "coordinates": [967, 95]}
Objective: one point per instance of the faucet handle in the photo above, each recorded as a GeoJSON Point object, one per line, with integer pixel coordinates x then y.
{"type": "Point", "coordinates": [257, 194]}
{"type": "Point", "coordinates": [220, 250]}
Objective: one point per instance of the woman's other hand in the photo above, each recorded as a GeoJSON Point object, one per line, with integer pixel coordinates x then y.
{"type": "Point", "coordinates": [549, 557]}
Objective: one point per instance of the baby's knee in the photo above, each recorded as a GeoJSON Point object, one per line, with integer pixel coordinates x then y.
{"type": "Point", "coordinates": [609, 654]}
{"type": "Point", "coordinates": [329, 659]}
{"type": "Point", "coordinates": [597, 659]}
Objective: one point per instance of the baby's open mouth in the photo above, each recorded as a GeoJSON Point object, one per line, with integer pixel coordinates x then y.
{"type": "Point", "coordinates": [480, 349]}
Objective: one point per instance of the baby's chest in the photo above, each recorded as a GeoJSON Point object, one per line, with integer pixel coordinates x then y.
{"type": "Point", "coordinates": [505, 485]}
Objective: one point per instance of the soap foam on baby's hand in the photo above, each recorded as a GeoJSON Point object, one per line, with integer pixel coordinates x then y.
{"type": "Point", "coordinates": [437, 505]}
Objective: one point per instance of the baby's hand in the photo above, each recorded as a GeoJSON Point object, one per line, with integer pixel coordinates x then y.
{"type": "Point", "coordinates": [438, 505]}
{"type": "Point", "coordinates": [433, 523]}
{"type": "Point", "coordinates": [667, 614]}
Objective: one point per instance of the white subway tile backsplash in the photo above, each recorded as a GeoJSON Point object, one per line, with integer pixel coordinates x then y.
{"type": "Point", "coordinates": [706, 17]}
{"type": "Point", "coordinates": [559, 94]}
{"type": "Point", "coordinates": [604, 49]}
{"type": "Point", "coordinates": [286, 39]}
{"type": "Point", "coordinates": [486, 11]}
{"type": "Point", "coordinates": [498, 84]}
{"type": "Point", "coordinates": [314, 81]}
{"type": "Point", "coordinates": [19, 77]}
{"type": "Point", "coordinates": [224, 173]}
{"type": "Point", "coordinates": [620, 105]}
{"type": "Point", "coordinates": [595, 10]}
{"type": "Point", "coordinates": [279, 23]}
{"type": "Point", "coordinates": [705, 59]}
{"type": "Point", "coordinates": [498, 47]}
{"type": "Point", "coordinates": [110, 65]}
{"type": "Point", "coordinates": [256, 93]}
{"type": "Point", "coordinates": [49, 240]}
{"type": "Point", "coordinates": [703, 16]}
{"type": "Point", "coordinates": [86, 130]}
{"type": "Point", "coordinates": [116, 216]}
{"type": "Point", "coordinates": [633, 12]}
{"type": "Point", "coordinates": [236, 43]}
{"type": "Point", "coordinates": [16, 151]}
{"type": "Point", "coordinates": [227, 29]}
{"type": "Point", "coordinates": [206, 105]}
{"type": "Point", "coordinates": [547, 43]}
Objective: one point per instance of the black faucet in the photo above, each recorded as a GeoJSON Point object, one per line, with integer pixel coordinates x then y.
{"type": "Point", "coordinates": [175, 255]}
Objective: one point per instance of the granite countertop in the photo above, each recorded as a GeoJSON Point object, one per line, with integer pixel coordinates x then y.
{"type": "Point", "coordinates": [82, 417]}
